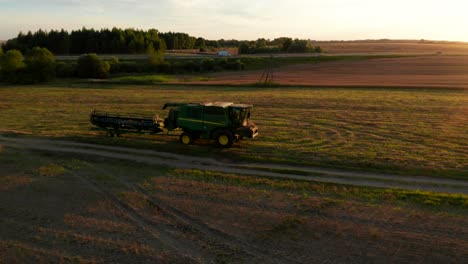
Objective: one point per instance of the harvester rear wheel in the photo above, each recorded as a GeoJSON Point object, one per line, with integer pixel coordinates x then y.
{"type": "Point", "coordinates": [224, 139]}
{"type": "Point", "coordinates": [186, 138]}
{"type": "Point", "coordinates": [110, 133]}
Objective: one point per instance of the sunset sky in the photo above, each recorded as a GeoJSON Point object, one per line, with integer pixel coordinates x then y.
{"type": "Point", "coordinates": [248, 19]}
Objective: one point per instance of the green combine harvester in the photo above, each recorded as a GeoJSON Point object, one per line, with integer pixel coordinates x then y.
{"type": "Point", "coordinates": [223, 122]}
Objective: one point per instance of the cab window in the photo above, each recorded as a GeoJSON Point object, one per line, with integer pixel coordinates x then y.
{"type": "Point", "coordinates": [210, 110]}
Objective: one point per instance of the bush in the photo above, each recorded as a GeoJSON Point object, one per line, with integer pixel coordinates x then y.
{"type": "Point", "coordinates": [299, 46]}
{"type": "Point", "coordinates": [40, 65]}
{"type": "Point", "coordinates": [236, 65]}
{"type": "Point", "coordinates": [25, 76]}
{"type": "Point", "coordinates": [10, 66]}
{"type": "Point", "coordinates": [113, 60]}
{"type": "Point", "coordinates": [65, 70]}
{"type": "Point", "coordinates": [266, 50]}
{"type": "Point", "coordinates": [191, 66]}
{"type": "Point", "coordinates": [207, 65]}
{"type": "Point", "coordinates": [130, 67]}
{"type": "Point", "coordinates": [178, 67]}
{"type": "Point", "coordinates": [223, 63]}
{"type": "Point", "coordinates": [164, 67]}
{"type": "Point", "coordinates": [91, 66]}
{"type": "Point", "coordinates": [114, 64]}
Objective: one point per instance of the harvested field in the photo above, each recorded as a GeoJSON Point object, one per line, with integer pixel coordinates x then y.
{"type": "Point", "coordinates": [88, 198]}
{"type": "Point", "coordinates": [422, 71]}
{"type": "Point", "coordinates": [393, 47]}
{"type": "Point", "coordinates": [99, 210]}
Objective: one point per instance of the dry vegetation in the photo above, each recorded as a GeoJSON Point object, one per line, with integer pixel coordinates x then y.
{"type": "Point", "coordinates": [411, 131]}
{"type": "Point", "coordinates": [439, 71]}
{"type": "Point", "coordinates": [394, 47]}
{"type": "Point", "coordinates": [99, 211]}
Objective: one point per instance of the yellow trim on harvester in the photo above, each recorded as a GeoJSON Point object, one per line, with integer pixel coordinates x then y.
{"type": "Point", "coordinates": [201, 121]}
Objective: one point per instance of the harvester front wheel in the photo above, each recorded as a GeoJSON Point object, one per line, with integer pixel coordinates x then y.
{"type": "Point", "coordinates": [224, 139]}
{"type": "Point", "coordinates": [186, 138]}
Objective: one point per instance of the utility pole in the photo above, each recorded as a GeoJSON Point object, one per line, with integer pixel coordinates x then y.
{"type": "Point", "coordinates": [267, 75]}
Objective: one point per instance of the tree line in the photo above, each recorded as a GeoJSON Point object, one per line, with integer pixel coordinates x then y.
{"type": "Point", "coordinates": [278, 45]}
{"type": "Point", "coordinates": [39, 65]}
{"type": "Point", "coordinates": [104, 41]}
{"type": "Point", "coordinates": [134, 41]}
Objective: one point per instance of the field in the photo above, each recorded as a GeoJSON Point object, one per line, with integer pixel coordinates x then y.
{"type": "Point", "coordinates": [401, 47]}
{"type": "Point", "coordinates": [307, 190]}
{"type": "Point", "coordinates": [438, 71]}
{"type": "Point", "coordinates": [408, 131]}
{"type": "Point", "coordinates": [82, 209]}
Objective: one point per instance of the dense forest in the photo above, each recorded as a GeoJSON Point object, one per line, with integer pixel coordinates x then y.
{"type": "Point", "coordinates": [134, 41]}
{"type": "Point", "coordinates": [115, 41]}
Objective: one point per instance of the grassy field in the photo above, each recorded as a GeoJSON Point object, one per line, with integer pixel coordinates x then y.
{"type": "Point", "coordinates": [75, 208]}
{"type": "Point", "coordinates": [141, 79]}
{"type": "Point", "coordinates": [403, 131]}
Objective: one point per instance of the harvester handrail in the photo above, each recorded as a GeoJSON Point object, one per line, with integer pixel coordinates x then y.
{"type": "Point", "coordinates": [123, 115]}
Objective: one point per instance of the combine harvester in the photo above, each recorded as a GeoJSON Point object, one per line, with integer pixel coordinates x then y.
{"type": "Point", "coordinates": [223, 122]}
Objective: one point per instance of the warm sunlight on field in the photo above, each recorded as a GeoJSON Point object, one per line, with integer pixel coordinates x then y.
{"type": "Point", "coordinates": [394, 47]}
{"type": "Point", "coordinates": [234, 132]}
{"type": "Point", "coordinates": [439, 71]}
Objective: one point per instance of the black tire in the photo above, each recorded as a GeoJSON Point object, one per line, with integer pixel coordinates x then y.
{"type": "Point", "coordinates": [186, 138]}
{"type": "Point", "coordinates": [224, 139]}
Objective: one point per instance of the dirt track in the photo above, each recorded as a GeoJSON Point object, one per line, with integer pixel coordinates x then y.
{"type": "Point", "coordinates": [423, 71]}
{"type": "Point", "coordinates": [266, 170]}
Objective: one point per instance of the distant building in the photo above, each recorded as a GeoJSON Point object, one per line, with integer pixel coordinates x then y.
{"type": "Point", "coordinates": [224, 53]}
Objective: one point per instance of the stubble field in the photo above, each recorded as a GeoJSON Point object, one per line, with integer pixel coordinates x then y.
{"type": "Point", "coordinates": [401, 47]}
{"type": "Point", "coordinates": [437, 71]}
{"type": "Point", "coordinates": [67, 208]}
{"type": "Point", "coordinates": [400, 131]}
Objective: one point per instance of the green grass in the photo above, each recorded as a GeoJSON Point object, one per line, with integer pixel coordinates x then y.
{"type": "Point", "coordinates": [196, 79]}
{"type": "Point", "coordinates": [252, 62]}
{"type": "Point", "coordinates": [400, 131]}
{"type": "Point", "coordinates": [256, 63]}
{"type": "Point", "coordinates": [141, 79]}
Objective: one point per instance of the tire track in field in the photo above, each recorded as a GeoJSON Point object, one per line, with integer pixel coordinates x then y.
{"type": "Point", "coordinates": [316, 174]}
{"type": "Point", "coordinates": [217, 237]}
{"type": "Point", "coordinates": [218, 241]}
{"type": "Point", "coordinates": [450, 234]}
{"type": "Point", "coordinates": [165, 237]}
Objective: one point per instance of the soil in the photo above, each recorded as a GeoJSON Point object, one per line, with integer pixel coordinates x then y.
{"type": "Point", "coordinates": [441, 71]}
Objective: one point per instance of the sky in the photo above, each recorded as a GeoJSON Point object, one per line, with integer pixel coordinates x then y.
{"type": "Point", "coordinates": [247, 19]}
